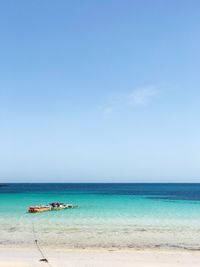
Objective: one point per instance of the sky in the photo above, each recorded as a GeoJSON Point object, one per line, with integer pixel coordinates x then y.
{"type": "Point", "coordinates": [99, 91]}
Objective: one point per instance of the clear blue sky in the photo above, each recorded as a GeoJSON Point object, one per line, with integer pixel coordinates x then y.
{"type": "Point", "coordinates": [100, 90]}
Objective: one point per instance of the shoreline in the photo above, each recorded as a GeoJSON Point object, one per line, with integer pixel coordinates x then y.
{"type": "Point", "coordinates": [157, 248]}
{"type": "Point", "coordinates": [29, 257]}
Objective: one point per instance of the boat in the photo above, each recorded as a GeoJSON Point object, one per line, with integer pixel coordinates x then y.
{"type": "Point", "coordinates": [51, 207]}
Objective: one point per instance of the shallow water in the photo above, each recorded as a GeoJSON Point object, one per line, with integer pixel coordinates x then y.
{"type": "Point", "coordinates": [109, 215]}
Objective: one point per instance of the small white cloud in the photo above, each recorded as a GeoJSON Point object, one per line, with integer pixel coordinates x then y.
{"type": "Point", "coordinates": [141, 96]}
{"type": "Point", "coordinates": [138, 97]}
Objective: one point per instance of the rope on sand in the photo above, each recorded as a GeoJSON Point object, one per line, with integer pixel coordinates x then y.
{"type": "Point", "coordinates": [43, 259]}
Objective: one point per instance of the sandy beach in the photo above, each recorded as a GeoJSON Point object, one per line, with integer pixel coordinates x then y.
{"type": "Point", "coordinates": [20, 257]}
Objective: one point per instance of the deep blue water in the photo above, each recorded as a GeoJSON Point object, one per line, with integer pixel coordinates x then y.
{"type": "Point", "coordinates": [172, 191]}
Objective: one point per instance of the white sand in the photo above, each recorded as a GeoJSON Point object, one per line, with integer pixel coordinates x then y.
{"type": "Point", "coordinates": [20, 257]}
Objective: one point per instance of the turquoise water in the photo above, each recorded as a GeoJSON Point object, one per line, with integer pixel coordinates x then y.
{"type": "Point", "coordinates": [117, 216]}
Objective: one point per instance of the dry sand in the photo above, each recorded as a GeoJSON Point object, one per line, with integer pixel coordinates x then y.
{"type": "Point", "coordinates": [20, 257]}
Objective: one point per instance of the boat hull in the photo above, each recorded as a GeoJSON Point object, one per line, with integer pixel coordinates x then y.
{"type": "Point", "coordinates": [34, 210]}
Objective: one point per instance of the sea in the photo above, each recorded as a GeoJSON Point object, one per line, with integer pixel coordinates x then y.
{"type": "Point", "coordinates": [111, 215]}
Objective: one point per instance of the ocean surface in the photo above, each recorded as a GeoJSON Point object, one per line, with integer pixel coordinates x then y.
{"type": "Point", "coordinates": [114, 216]}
